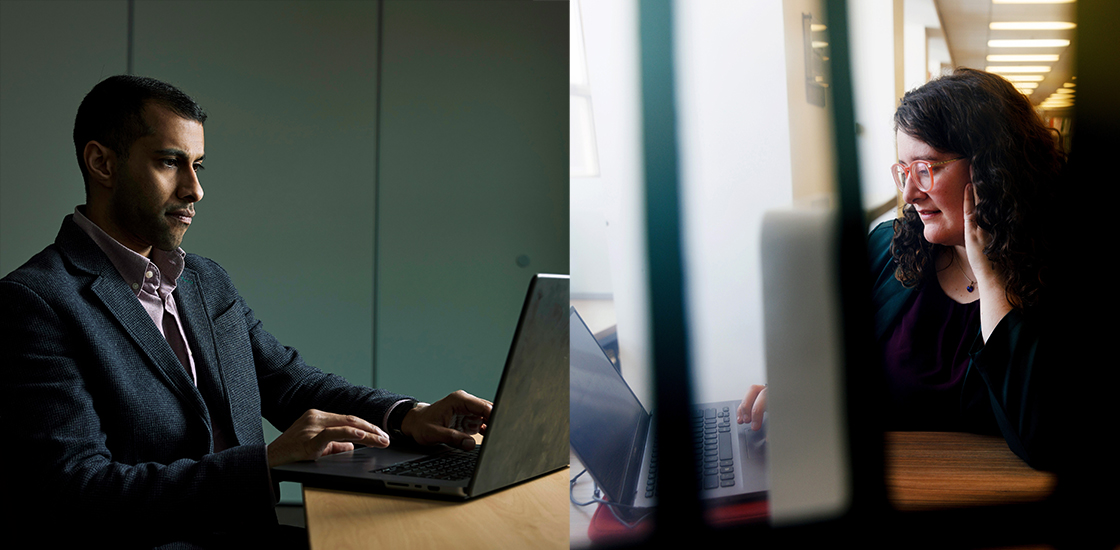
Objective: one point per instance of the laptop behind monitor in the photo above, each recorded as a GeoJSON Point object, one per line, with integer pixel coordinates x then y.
{"type": "Point", "coordinates": [612, 434]}
{"type": "Point", "coordinates": [527, 432]}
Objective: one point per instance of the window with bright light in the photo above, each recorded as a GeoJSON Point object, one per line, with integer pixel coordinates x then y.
{"type": "Point", "coordinates": [583, 156]}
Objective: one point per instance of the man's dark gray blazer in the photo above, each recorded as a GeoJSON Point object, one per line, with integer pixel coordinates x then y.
{"type": "Point", "coordinates": [103, 429]}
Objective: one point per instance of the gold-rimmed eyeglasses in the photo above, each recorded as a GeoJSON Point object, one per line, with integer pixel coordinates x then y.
{"type": "Point", "coordinates": [920, 171]}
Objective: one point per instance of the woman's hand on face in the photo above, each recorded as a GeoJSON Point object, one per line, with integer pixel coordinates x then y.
{"type": "Point", "coordinates": [993, 287]}
{"type": "Point", "coordinates": [752, 407]}
{"type": "Point", "coordinates": [975, 238]}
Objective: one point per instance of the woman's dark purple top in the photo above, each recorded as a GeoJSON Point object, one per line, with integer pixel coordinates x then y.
{"type": "Point", "coordinates": [926, 357]}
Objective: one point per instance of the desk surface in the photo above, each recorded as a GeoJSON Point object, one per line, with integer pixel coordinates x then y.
{"type": "Point", "coordinates": [931, 470]}
{"type": "Point", "coordinates": [530, 515]}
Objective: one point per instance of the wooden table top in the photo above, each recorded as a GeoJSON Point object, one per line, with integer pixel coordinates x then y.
{"type": "Point", "coordinates": [533, 514]}
{"type": "Point", "coordinates": [932, 470]}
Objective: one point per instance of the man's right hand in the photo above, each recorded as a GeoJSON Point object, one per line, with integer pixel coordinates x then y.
{"type": "Point", "coordinates": [319, 433]}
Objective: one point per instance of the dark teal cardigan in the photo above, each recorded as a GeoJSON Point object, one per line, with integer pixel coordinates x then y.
{"type": "Point", "coordinates": [1014, 368]}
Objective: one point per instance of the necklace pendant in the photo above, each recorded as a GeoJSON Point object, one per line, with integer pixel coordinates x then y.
{"type": "Point", "coordinates": [970, 288]}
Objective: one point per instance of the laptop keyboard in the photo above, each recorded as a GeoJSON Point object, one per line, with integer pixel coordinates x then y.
{"type": "Point", "coordinates": [451, 466]}
{"type": "Point", "coordinates": [712, 439]}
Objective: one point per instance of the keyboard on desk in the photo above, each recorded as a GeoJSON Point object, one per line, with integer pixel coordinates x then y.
{"type": "Point", "coordinates": [453, 465]}
{"type": "Point", "coordinates": [712, 438]}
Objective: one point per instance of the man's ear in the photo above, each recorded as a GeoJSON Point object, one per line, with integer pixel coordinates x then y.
{"type": "Point", "coordinates": [101, 163]}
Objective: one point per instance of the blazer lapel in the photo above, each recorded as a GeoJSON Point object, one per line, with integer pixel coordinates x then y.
{"type": "Point", "coordinates": [122, 303]}
{"type": "Point", "coordinates": [200, 337]}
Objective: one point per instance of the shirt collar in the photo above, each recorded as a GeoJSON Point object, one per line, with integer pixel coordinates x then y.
{"type": "Point", "coordinates": [129, 264]}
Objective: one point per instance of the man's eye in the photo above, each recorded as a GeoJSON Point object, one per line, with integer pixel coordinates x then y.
{"type": "Point", "coordinates": [199, 168]}
{"type": "Point", "coordinates": [170, 163]}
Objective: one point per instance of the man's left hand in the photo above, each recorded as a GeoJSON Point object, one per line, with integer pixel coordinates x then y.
{"type": "Point", "coordinates": [451, 420]}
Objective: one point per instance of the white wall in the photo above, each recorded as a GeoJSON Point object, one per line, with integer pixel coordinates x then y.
{"type": "Point", "coordinates": [877, 87]}
{"type": "Point", "coordinates": [611, 38]}
{"type": "Point", "coordinates": [918, 15]}
{"type": "Point", "coordinates": [735, 158]}
{"type": "Point", "coordinates": [588, 223]}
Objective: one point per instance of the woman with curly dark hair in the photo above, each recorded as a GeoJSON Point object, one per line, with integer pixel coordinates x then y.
{"type": "Point", "coordinates": [1013, 163]}
{"type": "Point", "coordinates": [961, 280]}
{"type": "Point", "coordinates": [962, 276]}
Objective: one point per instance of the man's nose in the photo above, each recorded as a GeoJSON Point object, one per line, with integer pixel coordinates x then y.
{"type": "Point", "coordinates": [190, 188]}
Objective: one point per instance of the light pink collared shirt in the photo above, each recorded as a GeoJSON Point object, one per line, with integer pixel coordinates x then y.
{"type": "Point", "coordinates": [153, 280]}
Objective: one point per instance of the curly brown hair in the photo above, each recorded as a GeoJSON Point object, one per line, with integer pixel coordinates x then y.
{"type": "Point", "coordinates": [1016, 164]}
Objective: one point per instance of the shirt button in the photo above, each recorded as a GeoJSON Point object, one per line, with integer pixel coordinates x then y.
{"type": "Point", "coordinates": [135, 286]}
{"type": "Point", "coordinates": [147, 274]}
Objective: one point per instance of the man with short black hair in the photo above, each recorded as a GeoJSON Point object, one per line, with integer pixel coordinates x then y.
{"type": "Point", "coordinates": [135, 376]}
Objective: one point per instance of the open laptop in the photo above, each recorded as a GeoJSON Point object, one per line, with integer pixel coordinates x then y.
{"type": "Point", "coordinates": [613, 435]}
{"type": "Point", "coordinates": [526, 435]}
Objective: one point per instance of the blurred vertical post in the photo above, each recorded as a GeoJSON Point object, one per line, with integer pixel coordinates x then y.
{"type": "Point", "coordinates": [677, 510]}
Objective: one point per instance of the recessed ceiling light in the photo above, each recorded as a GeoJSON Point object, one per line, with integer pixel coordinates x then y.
{"type": "Point", "coordinates": [1031, 25]}
{"type": "Point", "coordinates": [817, 27]}
{"type": "Point", "coordinates": [1064, 92]}
{"type": "Point", "coordinates": [1032, 1]}
{"type": "Point", "coordinates": [1069, 84]}
{"type": "Point", "coordinates": [1000, 69]}
{"type": "Point", "coordinates": [1034, 43]}
{"type": "Point", "coordinates": [1024, 77]}
{"type": "Point", "coordinates": [1012, 58]}
{"type": "Point", "coordinates": [1031, 85]}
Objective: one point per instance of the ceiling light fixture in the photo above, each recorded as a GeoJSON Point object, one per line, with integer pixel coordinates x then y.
{"type": "Point", "coordinates": [1000, 69]}
{"type": "Point", "coordinates": [1024, 77]}
{"type": "Point", "coordinates": [1015, 58]}
{"type": "Point", "coordinates": [1032, 1]}
{"type": "Point", "coordinates": [1033, 43]}
{"type": "Point", "coordinates": [1031, 25]}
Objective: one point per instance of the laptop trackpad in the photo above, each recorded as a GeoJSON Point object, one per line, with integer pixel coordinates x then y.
{"type": "Point", "coordinates": [373, 458]}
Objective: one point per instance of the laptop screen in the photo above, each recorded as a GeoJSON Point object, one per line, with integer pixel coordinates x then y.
{"type": "Point", "coordinates": [606, 417]}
